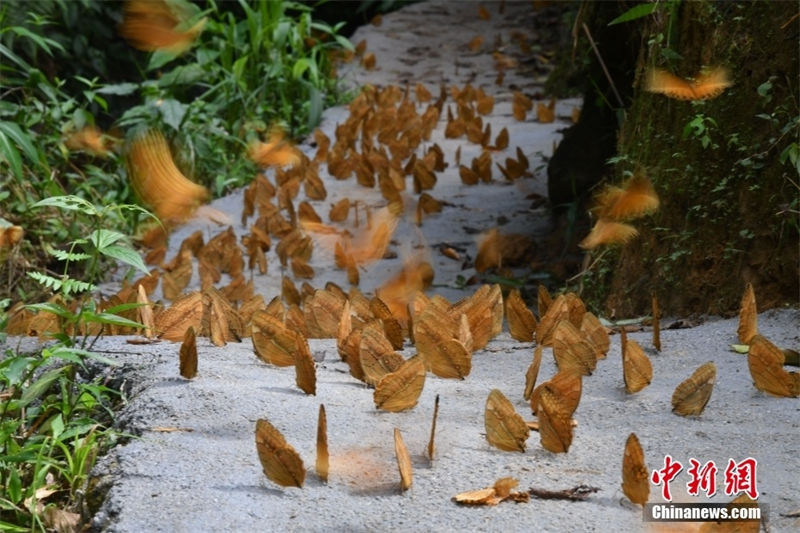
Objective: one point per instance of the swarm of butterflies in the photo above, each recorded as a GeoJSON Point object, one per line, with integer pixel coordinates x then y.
{"type": "Point", "coordinates": [378, 144]}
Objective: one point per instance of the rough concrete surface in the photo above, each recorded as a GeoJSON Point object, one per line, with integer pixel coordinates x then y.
{"type": "Point", "coordinates": [206, 475]}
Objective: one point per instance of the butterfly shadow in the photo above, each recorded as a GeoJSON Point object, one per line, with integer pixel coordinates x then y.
{"type": "Point", "coordinates": [357, 384]}
{"type": "Point", "coordinates": [250, 489]}
{"type": "Point", "coordinates": [170, 382]}
{"type": "Point", "coordinates": [290, 390]}
{"type": "Point", "coordinates": [313, 480]}
{"type": "Point", "coordinates": [422, 462]}
{"type": "Point", "coordinates": [376, 489]}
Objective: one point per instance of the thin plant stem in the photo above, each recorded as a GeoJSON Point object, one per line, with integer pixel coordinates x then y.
{"type": "Point", "coordinates": [603, 64]}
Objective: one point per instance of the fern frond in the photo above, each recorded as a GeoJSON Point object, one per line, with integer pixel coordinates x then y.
{"type": "Point", "coordinates": [63, 255]}
{"type": "Point", "coordinates": [64, 285]}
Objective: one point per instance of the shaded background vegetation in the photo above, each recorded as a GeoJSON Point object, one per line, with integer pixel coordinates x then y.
{"type": "Point", "coordinates": [65, 67]}
{"type": "Point", "coordinates": [726, 169]}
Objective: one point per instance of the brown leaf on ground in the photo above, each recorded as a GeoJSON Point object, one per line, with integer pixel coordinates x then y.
{"type": "Point", "coordinates": [500, 491]}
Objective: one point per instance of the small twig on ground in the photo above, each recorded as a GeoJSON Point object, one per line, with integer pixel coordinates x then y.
{"type": "Point", "coordinates": [575, 494]}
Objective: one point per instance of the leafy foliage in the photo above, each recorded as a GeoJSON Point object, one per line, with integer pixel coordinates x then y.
{"type": "Point", "coordinates": [256, 64]}
{"type": "Point", "coordinates": [52, 426]}
{"type": "Point", "coordinates": [65, 72]}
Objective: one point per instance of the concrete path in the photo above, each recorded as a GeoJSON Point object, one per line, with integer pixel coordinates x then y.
{"type": "Point", "coordinates": [194, 467]}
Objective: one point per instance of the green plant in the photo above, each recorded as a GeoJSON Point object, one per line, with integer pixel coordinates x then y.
{"type": "Point", "coordinates": [53, 423]}
{"type": "Point", "coordinates": [98, 247]}
{"type": "Point", "coordinates": [52, 427]}
{"type": "Point", "coordinates": [38, 112]}
{"type": "Point", "coordinates": [270, 66]}
{"type": "Point", "coordinates": [700, 128]}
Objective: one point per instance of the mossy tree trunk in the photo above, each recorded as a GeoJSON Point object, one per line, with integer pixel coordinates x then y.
{"type": "Point", "coordinates": [725, 169]}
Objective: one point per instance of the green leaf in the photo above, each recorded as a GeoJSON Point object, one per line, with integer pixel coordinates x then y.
{"type": "Point", "coordinates": [15, 368]}
{"type": "Point", "coordinates": [67, 256]}
{"type": "Point", "coordinates": [15, 58]}
{"type": "Point", "coordinates": [159, 59]}
{"type": "Point", "coordinates": [623, 322]}
{"type": "Point", "coordinates": [57, 425]}
{"type": "Point", "coordinates": [238, 70]}
{"type": "Point", "coordinates": [110, 318]}
{"type": "Point", "coordinates": [43, 42]}
{"type": "Point", "coordinates": [40, 386]}
{"type": "Point", "coordinates": [344, 42]}
{"type": "Point", "coordinates": [670, 54]}
{"type": "Point", "coordinates": [127, 255]}
{"type": "Point", "coordinates": [70, 203]}
{"type": "Point", "coordinates": [119, 89]}
{"type": "Point", "coordinates": [121, 308]}
{"type": "Point", "coordinates": [740, 348]}
{"type": "Point", "coordinates": [68, 355]}
{"type": "Point", "coordinates": [48, 307]}
{"type": "Point", "coordinates": [11, 155]}
{"type": "Point", "coordinates": [636, 12]}
{"type": "Point", "coordinates": [172, 111]}
{"type": "Point", "coordinates": [183, 75]}
{"type": "Point", "coordinates": [23, 140]}
{"type": "Point", "coordinates": [102, 238]}
{"type": "Point", "coordinates": [12, 528]}
{"type": "Point", "coordinates": [14, 486]}
{"type": "Point", "coordinates": [764, 89]}
{"type": "Point", "coordinates": [64, 352]}
{"type": "Point", "coordinates": [300, 67]}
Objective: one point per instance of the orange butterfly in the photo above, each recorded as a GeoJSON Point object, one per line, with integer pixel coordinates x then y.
{"type": "Point", "coordinates": [159, 25]}
{"type": "Point", "coordinates": [708, 84]}
{"type": "Point", "coordinates": [158, 182]}
{"type": "Point", "coordinates": [275, 152]}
